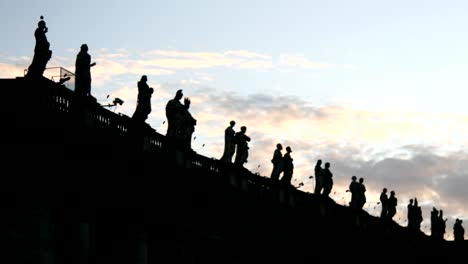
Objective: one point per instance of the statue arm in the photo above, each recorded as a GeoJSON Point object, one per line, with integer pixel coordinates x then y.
{"type": "Point", "coordinates": [187, 103]}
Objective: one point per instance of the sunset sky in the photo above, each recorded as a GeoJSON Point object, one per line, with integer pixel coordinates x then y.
{"type": "Point", "coordinates": [377, 88]}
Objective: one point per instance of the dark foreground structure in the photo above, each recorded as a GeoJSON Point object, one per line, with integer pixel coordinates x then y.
{"type": "Point", "coordinates": [82, 184]}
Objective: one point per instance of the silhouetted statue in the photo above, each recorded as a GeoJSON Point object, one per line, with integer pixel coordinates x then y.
{"type": "Point", "coordinates": [392, 204]}
{"type": "Point", "coordinates": [384, 203]}
{"type": "Point", "coordinates": [410, 214]}
{"type": "Point", "coordinates": [361, 193]}
{"type": "Point", "coordinates": [417, 215]}
{"type": "Point", "coordinates": [288, 167]}
{"type": "Point", "coordinates": [318, 177]}
{"type": "Point", "coordinates": [354, 188]}
{"type": "Point", "coordinates": [42, 53]}
{"type": "Point", "coordinates": [458, 231]}
{"type": "Point", "coordinates": [229, 143]}
{"type": "Point", "coordinates": [441, 225]}
{"type": "Point", "coordinates": [327, 180]}
{"type": "Point", "coordinates": [143, 108]}
{"type": "Point", "coordinates": [277, 161]}
{"type": "Point", "coordinates": [83, 72]}
{"type": "Point", "coordinates": [434, 220]}
{"type": "Point", "coordinates": [242, 152]}
{"type": "Point", "coordinates": [414, 215]}
{"type": "Point", "coordinates": [180, 123]}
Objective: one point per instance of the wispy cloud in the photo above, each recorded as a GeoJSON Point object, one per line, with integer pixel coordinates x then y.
{"type": "Point", "coordinates": [112, 63]}
{"type": "Point", "coordinates": [172, 59]}
{"type": "Point", "coordinates": [247, 54]}
{"type": "Point", "coordinates": [301, 61]}
{"type": "Point", "coordinates": [10, 70]}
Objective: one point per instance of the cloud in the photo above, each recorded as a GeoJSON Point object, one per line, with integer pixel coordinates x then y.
{"type": "Point", "coordinates": [247, 54]}
{"type": "Point", "coordinates": [301, 61]}
{"type": "Point", "coordinates": [115, 63]}
{"type": "Point", "coordinates": [10, 70]}
{"type": "Point", "coordinates": [111, 63]}
{"type": "Point", "coordinates": [256, 64]}
{"type": "Point", "coordinates": [172, 59]}
{"type": "Point", "coordinates": [372, 145]}
{"type": "Point", "coordinates": [416, 153]}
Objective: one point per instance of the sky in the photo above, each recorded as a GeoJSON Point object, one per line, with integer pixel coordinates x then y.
{"type": "Point", "coordinates": [376, 88]}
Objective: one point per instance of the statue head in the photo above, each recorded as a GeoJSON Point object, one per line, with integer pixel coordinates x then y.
{"type": "Point", "coordinates": [41, 24]}
{"type": "Point", "coordinates": [232, 123]}
{"type": "Point", "coordinates": [144, 78]}
{"type": "Point", "coordinates": [84, 47]}
{"type": "Point", "coordinates": [179, 95]}
{"type": "Point", "coordinates": [279, 146]}
{"type": "Point", "coordinates": [288, 149]}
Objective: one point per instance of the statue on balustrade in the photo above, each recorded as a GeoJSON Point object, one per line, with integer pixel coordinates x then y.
{"type": "Point", "coordinates": [327, 180]}
{"type": "Point", "coordinates": [354, 190]}
{"type": "Point", "coordinates": [277, 161]}
{"type": "Point", "coordinates": [180, 123]}
{"type": "Point", "coordinates": [143, 108]}
{"type": "Point", "coordinates": [242, 151]}
{"type": "Point", "coordinates": [229, 143]}
{"type": "Point", "coordinates": [392, 203]}
{"type": "Point", "coordinates": [384, 202]}
{"type": "Point", "coordinates": [288, 167]}
{"type": "Point", "coordinates": [42, 53]}
{"type": "Point", "coordinates": [458, 231]}
{"type": "Point", "coordinates": [414, 214]}
{"type": "Point", "coordinates": [361, 194]}
{"type": "Point", "coordinates": [83, 72]}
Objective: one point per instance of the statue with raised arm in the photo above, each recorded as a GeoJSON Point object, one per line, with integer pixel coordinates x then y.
{"type": "Point", "coordinates": [83, 72]}
{"type": "Point", "coordinates": [180, 123]}
{"type": "Point", "coordinates": [42, 53]}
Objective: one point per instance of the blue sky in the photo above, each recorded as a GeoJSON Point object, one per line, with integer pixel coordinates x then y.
{"type": "Point", "coordinates": [377, 88]}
